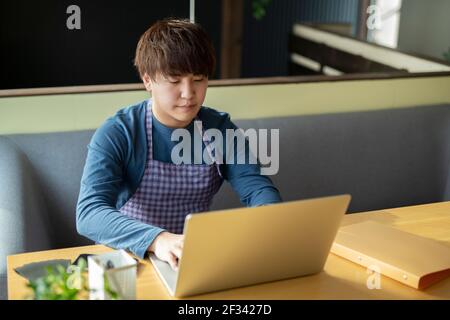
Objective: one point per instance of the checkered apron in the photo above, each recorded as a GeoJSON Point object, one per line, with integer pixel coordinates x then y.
{"type": "Point", "coordinates": [169, 192]}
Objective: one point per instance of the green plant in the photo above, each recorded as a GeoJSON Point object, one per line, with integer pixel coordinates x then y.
{"type": "Point", "coordinates": [259, 8]}
{"type": "Point", "coordinates": [112, 294]}
{"type": "Point", "coordinates": [66, 284]}
{"type": "Point", "coordinates": [447, 55]}
{"type": "Point", "coordinates": [61, 284]}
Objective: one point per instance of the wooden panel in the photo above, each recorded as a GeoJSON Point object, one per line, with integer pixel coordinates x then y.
{"type": "Point", "coordinates": [224, 83]}
{"type": "Point", "coordinates": [296, 69]}
{"type": "Point", "coordinates": [376, 45]}
{"type": "Point", "coordinates": [232, 13]}
{"type": "Point", "coordinates": [337, 59]}
{"type": "Point", "coordinates": [362, 19]}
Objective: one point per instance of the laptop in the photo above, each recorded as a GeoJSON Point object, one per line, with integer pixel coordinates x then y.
{"type": "Point", "coordinates": [246, 246]}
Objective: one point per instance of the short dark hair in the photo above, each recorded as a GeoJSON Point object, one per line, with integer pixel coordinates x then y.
{"type": "Point", "coordinates": [175, 47]}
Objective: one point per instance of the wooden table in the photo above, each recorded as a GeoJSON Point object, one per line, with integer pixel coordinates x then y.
{"type": "Point", "coordinates": [340, 279]}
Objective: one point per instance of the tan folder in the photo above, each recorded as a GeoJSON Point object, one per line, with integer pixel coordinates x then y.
{"type": "Point", "coordinates": [413, 260]}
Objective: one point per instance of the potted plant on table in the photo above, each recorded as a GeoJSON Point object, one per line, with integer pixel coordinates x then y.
{"type": "Point", "coordinates": [62, 283]}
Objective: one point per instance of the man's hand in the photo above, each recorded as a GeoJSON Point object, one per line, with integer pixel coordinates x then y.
{"type": "Point", "coordinates": [168, 247]}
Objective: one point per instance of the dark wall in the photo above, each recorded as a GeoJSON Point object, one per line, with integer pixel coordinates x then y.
{"type": "Point", "coordinates": [265, 42]}
{"type": "Point", "coordinates": [208, 13]}
{"type": "Point", "coordinates": [38, 50]}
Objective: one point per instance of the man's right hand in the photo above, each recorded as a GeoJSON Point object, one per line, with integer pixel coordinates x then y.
{"type": "Point", "coordinates": [168, 247]}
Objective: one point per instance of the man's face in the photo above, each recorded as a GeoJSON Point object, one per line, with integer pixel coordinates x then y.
{"type": "Point", "coordinates": [176, 99]}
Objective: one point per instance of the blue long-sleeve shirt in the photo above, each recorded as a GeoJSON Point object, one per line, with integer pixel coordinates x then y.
{"type": "Point", "coordinates": [115, 165]}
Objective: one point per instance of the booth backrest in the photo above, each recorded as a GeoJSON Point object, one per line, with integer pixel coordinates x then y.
{"type": "Point", "coordinates": [386, 158]}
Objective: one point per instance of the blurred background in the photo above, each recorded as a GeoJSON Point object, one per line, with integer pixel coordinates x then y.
{"type": "Point", "coordinates": [253, 38]}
